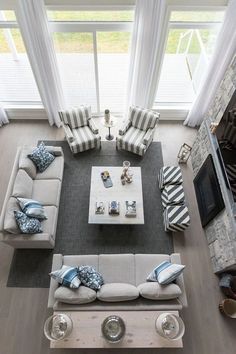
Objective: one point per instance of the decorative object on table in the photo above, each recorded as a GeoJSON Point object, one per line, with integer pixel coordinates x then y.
{"type": "Point", "coordinates": [228, 285]}
{"type": "Point", "coordinates": [107, 115]}
{"type": "Point", "coordinates": [130, 206]}
{"type": "Point", "coordinates": [172, 194]}
{"type": "Point", "coordinates": [113, 328]}
{"type": "Point", "coordinates": [137, 132]}
{"type": "Point", "coordinates": [99, 208]}
{"type": "Point", "coordinates": [170, 326]}
{"type": "Point", "coordinates": [213, 127]}
{"type": "Point", "coordinates": [105, 175]}
{"type": "Point", "coordinates": [176, 218]}
{"type": "Point", "coordinates": [109, 123]}
{"type": "Point", "coordinates": [114, 207]}
{"type": "Point", "coordinates": [228, 307]}
{"type": "Point", "coordinates": [58, 327]}
{"type": "Point", "coordinates": [126, 176]}
{"type": "Point", "coordinates": [170, 175]}
{"type": "Point", "coordinates": [184, 153]}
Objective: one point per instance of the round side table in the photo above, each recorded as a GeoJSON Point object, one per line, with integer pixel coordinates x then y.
{"type": "Point", "coordinates": [109, 125]}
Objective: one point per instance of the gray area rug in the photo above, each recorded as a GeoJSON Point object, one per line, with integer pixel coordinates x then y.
{"type": "Point", "coordinates": [30, 268]}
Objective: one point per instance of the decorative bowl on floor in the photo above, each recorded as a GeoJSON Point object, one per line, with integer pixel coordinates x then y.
{"type": "Point", "coordinates": [170, 326]}
{"type": "Point", "coordinates": [113, 328]}
{"type": "Point", "coordinates": [58, 327]}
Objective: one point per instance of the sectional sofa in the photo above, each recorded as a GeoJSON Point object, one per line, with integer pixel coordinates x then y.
{"type": "Point", "coordinates": [124, 286]}
{"type": "Point", "coordinates": [44, 187]}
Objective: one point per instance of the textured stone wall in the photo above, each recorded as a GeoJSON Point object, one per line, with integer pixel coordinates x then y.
{"type": "Point", "coordinates": [220, 232]}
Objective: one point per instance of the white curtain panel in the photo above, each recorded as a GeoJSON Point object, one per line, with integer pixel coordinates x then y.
{"type": "Point", "coordinates": [146, 52]}
{"type": "Point", "coordinates": [33, 23]}
{"type": "Point", "coordinates": [3, 116]}
{"type": "Point", "coordinates": [222, 56]}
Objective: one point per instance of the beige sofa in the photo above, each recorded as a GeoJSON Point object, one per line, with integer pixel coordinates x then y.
{"type": "Point", "coordinates": [119, 268]}
{"type": "Point", "coordinates": [44, 187]}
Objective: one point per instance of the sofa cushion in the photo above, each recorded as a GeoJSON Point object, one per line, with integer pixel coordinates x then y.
{"type": "Point", "coordinates": [41, 157]}
{"type": "Point", "coordinates": [54, 171]}
{"type": "Point", "coordinates": [32, 208]}
{"type": "Point", "coordinates": [155, 291]}
{"type": "Point", "coordinates": [117, 268]}
{"type": "Point", "coordinates": [82, 295]}
{"type": "Point", "coordinates": [23, 185]}
{"type": "Point", "coordinates": [145, 263]}
{"type": "Point", "coordinates": [76, 117]}
{"type": "Point", "coordinates": [90, 277]}
{"type": "Point", "coordinates": [78, 260]}
{"type": "Point", "coordinates": [67, 276]}
{"type": "Point", "coordinates": [117, 292]}
{"type": "Point", "coordinates": [26, 224]}
{"type": "Point", "coordinates": [25, 163]}
{"type": "Point", "coordinates": [47, 191]}
{"type": "Point", "coordinates": [10, 224]}
{"type": "Point", "coordinates": [165, 272]}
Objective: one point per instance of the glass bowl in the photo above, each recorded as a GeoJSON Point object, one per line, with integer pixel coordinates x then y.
{"type": "Point", "coordinates": [58, 327]}
{"type": "Point", "coordinates": [113, 328]}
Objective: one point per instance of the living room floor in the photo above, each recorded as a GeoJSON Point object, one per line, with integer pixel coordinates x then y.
{"type": "Point", "coordinates": [23, 311]}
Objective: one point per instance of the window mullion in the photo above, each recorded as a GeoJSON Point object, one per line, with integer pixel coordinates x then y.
{"type": "Point", "coordinates": [95, 56]}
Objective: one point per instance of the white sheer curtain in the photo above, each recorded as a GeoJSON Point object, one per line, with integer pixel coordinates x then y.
{"type": "Point", "coordinates": [3, 116]}
{"type": "Point", "coordinates": [223, 54]}
{"type": "Point", "coordinates": [32, 19]}
{"type": "Point", "coordinates": [146, 52]}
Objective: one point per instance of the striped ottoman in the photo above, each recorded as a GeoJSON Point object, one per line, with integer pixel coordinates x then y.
{"type": "Point", "coordinates": [170, 175]}
{"type": "Point", "coordinates": [176, 218]}
{"type": "Point", "coordinates": [172, 194]}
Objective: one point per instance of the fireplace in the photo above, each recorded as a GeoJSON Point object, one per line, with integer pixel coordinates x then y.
{"type": "Point", "coordinates": [208, 192]}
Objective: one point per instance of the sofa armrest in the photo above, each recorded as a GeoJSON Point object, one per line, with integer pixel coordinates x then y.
{"type": "Point", "coordinates": [124, 127]}
{"type": "Point", "coordinates": [57, 263]}
{"type": "Point", "coordinates": [93, 126]}
{"type": "Point", "coordinates": [175, 258]}
{"type": "Point", "coordinates": [55, 150]}
{"type": "Point", "coordinates": [68, 132]}
{"type": "Point", "coordinates": [148, 136]}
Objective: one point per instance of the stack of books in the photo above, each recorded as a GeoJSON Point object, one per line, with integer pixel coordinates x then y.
{"type": "Point", "coordinates": [114, 207]}
{"type": "Point", "coordinates": [130, 208]}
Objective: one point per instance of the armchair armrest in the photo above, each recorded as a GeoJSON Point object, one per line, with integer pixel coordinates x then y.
{"type": "Point", "coordinates": [57, 263]}
{"type": "Point", "coordinates": [148, 136]}
{"type": "Point", "coordinates": [68, 132]}
{"type": "Point", "coordinates": [93, 126]}
{"type": "Point", "coordinates": [124, 127]}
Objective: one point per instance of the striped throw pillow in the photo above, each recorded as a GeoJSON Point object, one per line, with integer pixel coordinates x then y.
{"type": "Point", "coordinates": [76, 117]}
{"type": "Point", "coordinates": [67, 276]}
{"type": "Point", "coordinates": [166, 272]}
{"type": "Point", "coordinates": [142, 118]}
{"type": "Point", "coordinates": [32, 208]}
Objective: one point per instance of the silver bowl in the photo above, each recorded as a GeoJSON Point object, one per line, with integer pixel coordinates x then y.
{"type": "Point", "coordinates": [113, 328]}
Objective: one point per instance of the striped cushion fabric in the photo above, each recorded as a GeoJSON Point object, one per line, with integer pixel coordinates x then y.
{"type": "Point", "coordinates": [84, 139]}
{"type": "Point", "coordinates": [166, 272]}
{"type": "Point", "coordinates": [32, 208]}
{"type": "Point", "coordinates": [67, 276]}
{"type": "Point", "coordinates": [76, 117]}
{"type": "Point", "coordinates": [172, 195]}
{"type": "Point", "coordinates": [143, 118]}
{"type": "Point", "coordinates": [231, 173]}
{"type": "Point", "coordinates": [132, 141]}
{"type": "Point", "coordinates": [170, 175]}
{"type": "Point", "coordinates": [176, 218]}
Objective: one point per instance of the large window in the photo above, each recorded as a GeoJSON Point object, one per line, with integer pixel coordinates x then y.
{"type": "Point", "coordinates": [17, 84]}
{"type": "Point", "coordinates": [93, 55]}
{"type": "Point", "coordinates": [191, 40]}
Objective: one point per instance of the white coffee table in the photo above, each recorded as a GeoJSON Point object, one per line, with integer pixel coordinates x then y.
{"type": "Point", "coordinates": [119, 192]}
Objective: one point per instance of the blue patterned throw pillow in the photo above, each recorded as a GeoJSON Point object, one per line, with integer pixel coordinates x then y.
{"type": "Point", "coordinates": [67, 276]}
{"type": "Point", "coordinates": [41, 157]}
{"type": "Point", "coordinates": [27, 225]}
{"type": "Point", "coordinates": [165, 272]}
{"type": "Point", "coordinates": [32, 208]}
{"type": "Point", "coordinates": [90, 277]}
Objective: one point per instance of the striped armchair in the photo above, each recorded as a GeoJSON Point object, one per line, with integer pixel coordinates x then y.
{"type": "Point", "coordinates": [137, 132]}
{"type": "Point", "coordinates": [80, 130]}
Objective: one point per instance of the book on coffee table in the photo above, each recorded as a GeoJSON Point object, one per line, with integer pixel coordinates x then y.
{"type": "Point", "coordinates": [114, 207]}
{"type": "Point", "coordinates": [130, 206]}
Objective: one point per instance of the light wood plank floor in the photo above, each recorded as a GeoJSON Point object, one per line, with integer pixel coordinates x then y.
{"type": "Point", "coordinates": [23, 311]}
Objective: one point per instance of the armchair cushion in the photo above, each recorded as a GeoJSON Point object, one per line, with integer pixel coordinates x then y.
{"type": "Point", "coordinates": [143, 118]}
{"type": "Point", "coordinates": [132, 141]}
{"type": "Point", "coordinates": [84, 139]}
{"type": "Point", "coordinates": [76, 117]}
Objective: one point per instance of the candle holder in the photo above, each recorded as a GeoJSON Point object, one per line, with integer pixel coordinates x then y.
{"type": "Point", "coordinates": [126, 176]}
{"type": "Point", "coordinates": [184, 153]}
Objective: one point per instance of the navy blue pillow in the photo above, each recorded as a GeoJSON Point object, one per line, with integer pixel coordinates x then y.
{"type": "Point", "coordinates": [26, 224]}
{"type": "Point", "coordinates": [41, 157]}
{"type": "Point", "coordinates": [90, 277]}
